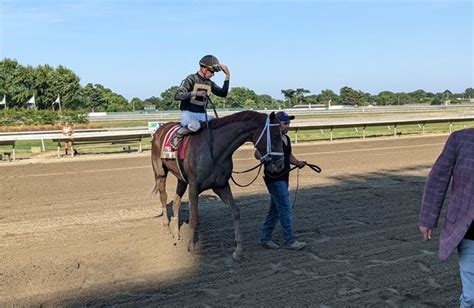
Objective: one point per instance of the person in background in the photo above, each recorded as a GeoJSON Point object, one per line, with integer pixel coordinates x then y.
{"type": "Point", "coordinates": [67, 130]}
{"type": "Point", "coordinates": [194, 93]}
{"type": "Point", "coordinates": [455, 165]}
{"type": "Point", "coordinates": [277, 184]}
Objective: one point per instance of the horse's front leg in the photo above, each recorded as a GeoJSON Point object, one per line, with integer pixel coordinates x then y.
{"type": "Point", "coordinates": [193, 215]}
{"type": "Point", "coordinates": [226, 196]}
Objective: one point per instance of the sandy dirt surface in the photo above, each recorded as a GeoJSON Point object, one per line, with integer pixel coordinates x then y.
{"type": "Point", "coordinates": [85, 231]}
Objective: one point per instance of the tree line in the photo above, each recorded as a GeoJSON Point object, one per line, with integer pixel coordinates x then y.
{"type": "Point", "coordinates": [45, 82]}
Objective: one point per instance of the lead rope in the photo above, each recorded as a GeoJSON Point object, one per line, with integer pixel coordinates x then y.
{"type": "Point", "coordinates": [313, 167]}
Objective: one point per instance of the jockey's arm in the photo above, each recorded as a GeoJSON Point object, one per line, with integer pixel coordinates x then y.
{"type": "Point", "coordinates": [184, 91]}
{"type": "Point", "coordinates": [222, 92]}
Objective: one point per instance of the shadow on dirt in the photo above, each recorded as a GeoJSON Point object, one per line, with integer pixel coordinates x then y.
{"type": "Point", "coordinates": [363, 250]}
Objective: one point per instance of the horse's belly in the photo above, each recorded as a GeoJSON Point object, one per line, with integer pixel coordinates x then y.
{"type": "Point", "coordinates": [213, 182]}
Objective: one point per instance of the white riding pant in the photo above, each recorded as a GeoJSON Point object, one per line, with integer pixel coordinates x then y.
{"type": "Point", "coordinates": [192, 119]}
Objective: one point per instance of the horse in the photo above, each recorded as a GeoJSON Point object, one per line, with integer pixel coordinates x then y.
{"type": "Point", "coordinates": [207, 164]}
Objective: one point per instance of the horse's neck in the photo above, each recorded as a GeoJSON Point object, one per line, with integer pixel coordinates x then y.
{"type": "Point", "coordinates": [228, 139]}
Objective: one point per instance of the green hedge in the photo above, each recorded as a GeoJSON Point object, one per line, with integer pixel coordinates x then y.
{"type": "Point", "coordinates": [14, 117]}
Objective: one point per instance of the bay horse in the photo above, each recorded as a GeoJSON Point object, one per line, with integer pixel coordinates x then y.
{"type": "Point", "coordinates": [205, 170]}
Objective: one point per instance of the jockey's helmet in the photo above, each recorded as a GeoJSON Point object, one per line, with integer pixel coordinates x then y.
{"type": "Point", "coordinates": [210, 62]}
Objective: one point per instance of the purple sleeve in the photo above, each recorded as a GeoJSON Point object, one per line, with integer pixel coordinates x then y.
{"type": "Point", "coordinates": [437, 185]}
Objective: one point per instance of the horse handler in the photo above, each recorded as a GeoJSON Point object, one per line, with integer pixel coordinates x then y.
{"type": "Point", "coordinates": [455, 163]}
{"type": "Point", "coordinates": [280, 205]}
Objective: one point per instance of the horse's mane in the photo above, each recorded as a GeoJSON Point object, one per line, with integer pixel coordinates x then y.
{"type": "Point", "coordinates": [242, 116]}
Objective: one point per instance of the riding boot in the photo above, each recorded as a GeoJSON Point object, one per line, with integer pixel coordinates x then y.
{"type": "Point", "coordinates": [183, 131]}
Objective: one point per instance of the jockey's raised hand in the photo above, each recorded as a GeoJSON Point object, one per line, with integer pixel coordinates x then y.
{"type": "Point", "coordinates": [226, 71]}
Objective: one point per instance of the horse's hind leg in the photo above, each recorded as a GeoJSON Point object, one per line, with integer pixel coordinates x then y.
{"type": "Point", "coordinates": [160, 186]}
{"type": "Point", "coordinates": [174, 224]}
{"type": "Point", "coordinates": [226, 196]}
{"type": "Point", "coordinates": [164, 201]}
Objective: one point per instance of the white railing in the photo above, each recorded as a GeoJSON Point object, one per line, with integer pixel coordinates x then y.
{"type": "Point", "coordinates": [11, 138]}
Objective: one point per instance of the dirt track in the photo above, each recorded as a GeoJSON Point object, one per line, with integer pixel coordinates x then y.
{"type": "Point", "coordinates": [85, 232]}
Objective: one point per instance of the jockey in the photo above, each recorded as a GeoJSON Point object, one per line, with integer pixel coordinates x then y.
{"type": "Point", "coordinates": [194, 93]}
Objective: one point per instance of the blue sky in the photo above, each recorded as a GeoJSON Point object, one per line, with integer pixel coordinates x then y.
{"type": "Point", "coordinates": [140, 48]}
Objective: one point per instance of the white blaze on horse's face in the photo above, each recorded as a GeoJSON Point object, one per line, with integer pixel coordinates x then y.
{"type": "Point", "coordinates": [270, 146]}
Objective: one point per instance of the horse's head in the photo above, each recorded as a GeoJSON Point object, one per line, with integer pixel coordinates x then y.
{"type": "Point", "coordinates": [269, 144]}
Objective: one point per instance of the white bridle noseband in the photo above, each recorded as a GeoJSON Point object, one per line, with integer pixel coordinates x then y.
{"type": "Point", "coordinates": [269, 152]}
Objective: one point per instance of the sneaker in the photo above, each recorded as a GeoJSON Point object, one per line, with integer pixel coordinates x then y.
{"type": "Point", "coordinates": [295, 245]}
{"type": "Point", "coordinates": [269, 244]}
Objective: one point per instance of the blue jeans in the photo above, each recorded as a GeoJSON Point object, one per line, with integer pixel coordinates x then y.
{"type": "Point", "coordinates": [466, 268]}
{"type": "Point", "coordinates": [280, 210]}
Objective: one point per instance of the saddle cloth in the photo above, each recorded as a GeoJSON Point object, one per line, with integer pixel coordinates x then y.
{"type": "Point", "coordinates": [167, 151]}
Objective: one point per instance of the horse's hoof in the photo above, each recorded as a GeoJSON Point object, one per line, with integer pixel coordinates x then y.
{"type": "Point", "coordinates": [174, 228]}
{"type": "Point", "coordinates": [237, 257]}
{"type": "Point", "coordinates": [166, 229]}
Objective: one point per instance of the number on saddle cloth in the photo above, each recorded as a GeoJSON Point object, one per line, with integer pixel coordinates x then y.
{"type": "Point", "coordinates": [167, 150]}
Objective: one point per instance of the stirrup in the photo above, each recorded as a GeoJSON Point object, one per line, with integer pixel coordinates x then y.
{"type": "Point", "coordinates": [175, 142]}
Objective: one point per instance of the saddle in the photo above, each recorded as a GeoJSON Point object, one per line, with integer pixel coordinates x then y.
{"type": "Point", "coordinates": [167, 151]}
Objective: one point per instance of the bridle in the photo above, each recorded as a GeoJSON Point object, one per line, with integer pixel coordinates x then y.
{"type": "Point", "coordinates": [269, 153]}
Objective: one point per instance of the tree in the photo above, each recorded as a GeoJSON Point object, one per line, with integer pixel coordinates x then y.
{"type": "Point", "coordinates": [167, 101]}
{"type": "Point", "coordinates": [264, 101]}
{"type": "Point", "coordinates": [328, 95]}
{"type": "Point", "coordinates": [92, 97]}
{"type": "Point", "coordinates": [350, 96]}
{"type": "Point", "coordinates": [299, 94]}
{"type": "Point", "coordinates": [237, 97]}
{"type": "Point", "coordinates": [418, 96]}
{"type": "Point", "coordinates": [311, 99]}
{"type": "Point", "coordinates": [386, 98]}
{"type": "Point", "coordinates": [137, 104]}
{"type": "Point", "coordinates": [289, 94]}
{"type": "Point", "coordinates": [469, 93]}
{"type": "Point", "coordinates": [65, 83]}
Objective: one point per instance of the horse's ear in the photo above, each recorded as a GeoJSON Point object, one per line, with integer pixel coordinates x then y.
{"type": "Point", "coordinates": [272, 116]}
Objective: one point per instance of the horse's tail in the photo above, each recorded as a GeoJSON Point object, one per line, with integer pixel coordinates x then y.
{"type": "Point", "coordinates": [154, 163]}
{"type": "Point", "coordinates": [159, 169]}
